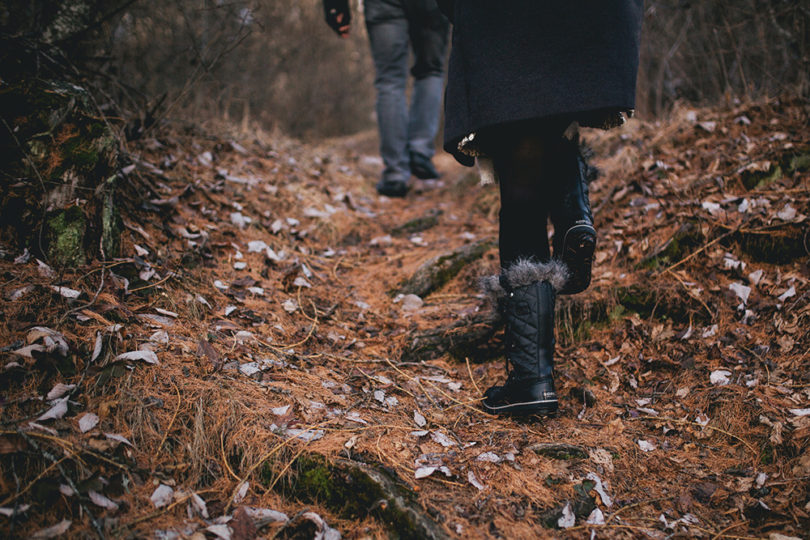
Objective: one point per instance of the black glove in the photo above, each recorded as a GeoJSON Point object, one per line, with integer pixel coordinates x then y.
{"type": "Point", "coordinates": [338, 15]}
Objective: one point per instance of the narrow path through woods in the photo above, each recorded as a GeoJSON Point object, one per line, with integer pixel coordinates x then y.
{"type": "Point", "coordinates": [283, 359]}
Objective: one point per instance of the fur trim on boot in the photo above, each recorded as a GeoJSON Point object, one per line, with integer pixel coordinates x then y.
{"type": "Point", "coordinates": [525, 272]}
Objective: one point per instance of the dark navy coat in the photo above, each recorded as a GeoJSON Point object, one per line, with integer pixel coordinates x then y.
{"type": "Point", "coordinates": [515, 60]}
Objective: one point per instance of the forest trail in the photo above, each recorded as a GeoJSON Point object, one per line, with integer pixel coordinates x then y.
{"type": "Point", "coordinates": [274, 370]}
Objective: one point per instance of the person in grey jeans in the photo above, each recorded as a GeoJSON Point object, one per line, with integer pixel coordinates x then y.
{"type": "Point", "coordinates": [406, 134]}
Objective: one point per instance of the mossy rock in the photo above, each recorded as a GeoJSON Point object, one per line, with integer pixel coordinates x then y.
{"type": "Point", "coordinates": [782, 245]}
{"type": "Point", "coordinates": [579, 315]}
{"type": "Point", "coordinates": [559, 451]}
{"type": "Point", "coordinates": [355, 490]}
{"type": "Point", "coordinates": [437, 271]}
{"type": "Point", "coordinates": [416, 225]}
{"type": "Point", "coordinates": [470, 337]}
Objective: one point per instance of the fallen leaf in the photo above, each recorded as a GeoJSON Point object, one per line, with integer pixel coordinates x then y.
{"type": "Point", "coordinates": [24, 257]}
{"type": "Point", "coordinates": [791, 292]}
{"type": "Point", "coordinates": [474, 481]}
{"type": "Point", "coordinates": [411, 302]}
{"type": "Point", "coordinates": [600, 489]}
{"type": "Point", "coordinates": [58, 410]}
{"type": "Point", "coordinates": [52, 340]}
{"type": "Point", "coordinates": [742, 291]}
{"type": "Point", "coordinates": [720, 377]}
{"type": "Point", "coordinates": [220, 531]}
{"type": "Point", "coordinates": [102, 501]}
{"type": "Point", "coordinates": [646, 446]}
{"type": "Point", "coordinates": [162, 496]}
{"type": "Point", "coordinates": [97, 348]}
{"type": "Point", "coordinates": [53, 531]}
{"type": "Point", "coordinates": [8, 512]}
{"type": "Point", "coordinates": [161, 336]}
{"type": "Point", "coordinates": [596, 517]}
{"type": "Point", "coordinates": [117, 437]}
{"type": "Point", "coordinates": [263, 516]}
{"type": "Point", "coordinates": [442, 439]}
{"type": "Point", "coordinates": [567, 519]}
{"type": "Point", "coordinates": [489, 457]}
{"type": "Point", "coordinates": [242, 526]}
{"type": "Point", "coordinates": [280, 411]}
{"type": "Point", "coordinates": [306, 435]}
{"type": "Point", "coordinates": [241, 492]}
{"type": "Point", "coordinates": [199, 505]}
{"type": "Point", "coordinates": [325, 532]}
{"type": "Point", "coordinates": [257, 246]}
{"type": "Point", "coordinates": [755, 277]}
{"type": "Point", "coordinates": [87, 422]}
{"type": "Point", "coordinates": [49, 431]}
{"type": "Point", "coordinates": [788, 213]}
{"type": "Point", "coordinates": [424, 472]}
{"type": "Point", "coordinates": [67, 292]}
{"type": "Point", "coordinates": [144, 355]}
{"type": "Point", "coordinates": [59, 390]}
{"type": "Point", "coordinates": [204, 348]}
{"type": "Point", "coordinates": [419, 419]}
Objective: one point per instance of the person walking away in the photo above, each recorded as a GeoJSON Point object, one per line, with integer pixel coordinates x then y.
{"type": "Point", "coordinates": [406, 132]}
{"type": "Point", "coordinates": [523, 76]}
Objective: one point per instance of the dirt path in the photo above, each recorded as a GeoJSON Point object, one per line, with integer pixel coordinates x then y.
{"type": "Point", "coordinates": [263, 279]}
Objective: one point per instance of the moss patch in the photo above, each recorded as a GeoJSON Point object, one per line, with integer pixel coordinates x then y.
{"type": "Point", "coordinates": [354, 491]}
{"type": "Point", "coordinates": [756, 179]}
{"type": "Point", "coordinates": [777, 246]}
{"type": "Point", "coordinates": [65, 232]}
{"type": "Point", "coordinates": [417, 224]}
{"type": "Point", "coordinates": [685, 240]}
{"type": "Point", "coordinates": [560, 451]}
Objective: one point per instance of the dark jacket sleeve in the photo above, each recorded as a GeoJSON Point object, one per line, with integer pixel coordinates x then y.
{"type": "Point", "coordinates": [447, 8]}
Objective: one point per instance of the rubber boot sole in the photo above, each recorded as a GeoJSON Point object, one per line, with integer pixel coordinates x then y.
{"type": "Point", "coordinates": [577, 254]}
{"type": "Point", "coordinates": [546, 407]}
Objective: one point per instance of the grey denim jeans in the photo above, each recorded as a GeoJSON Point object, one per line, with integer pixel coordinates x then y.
{"type": "Point", "coordinates": [394, 27]}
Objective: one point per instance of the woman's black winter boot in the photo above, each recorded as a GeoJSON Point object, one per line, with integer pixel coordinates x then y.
{"type": "Point", "coordinates": [574, 234]}
{"type": "Point", "coordinates": [526, 292]}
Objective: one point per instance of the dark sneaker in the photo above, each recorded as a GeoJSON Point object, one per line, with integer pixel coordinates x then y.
{"type": "Point", "coordinates": [522, 398]}
{"type": "Point", "coordinates": [392, 188]}
{"type": "Point", "coordinates": [422, 167]}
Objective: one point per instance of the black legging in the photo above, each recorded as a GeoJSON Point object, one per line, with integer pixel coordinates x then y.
{"type": "Point", "coordinates": [519, 161]}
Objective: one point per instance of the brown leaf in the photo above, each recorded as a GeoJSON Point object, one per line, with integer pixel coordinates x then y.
{"type": "Point", "coordinates": [242, 526]}
{"type": "Point", "coordinates": [246, 281]}
{"type": "Point", "coordinates": [684, 502]}
{"type": "Point", "coordinates": [289, 276]}
{"type": "Point", "coordinates": [204, 348]}
{"type": "Point", "coordinates": [703, 491]}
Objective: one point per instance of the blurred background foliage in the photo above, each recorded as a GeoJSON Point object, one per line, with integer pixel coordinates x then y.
{"type": "Point", "coordinates": [274, 64]}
